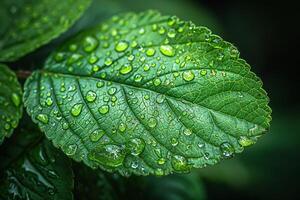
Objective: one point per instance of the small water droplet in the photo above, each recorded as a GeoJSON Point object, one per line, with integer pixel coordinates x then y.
{"type": "Point", "coordinates": [104, 109]}
{"type": "Point", "coordinates": [187, 132]}
{"type": "Point", "coordinates": [136, 146]}
{"type": "Point", "coordinates": [15, 98]}
{"type": "Point", "coordinates": [96, 135]}
{"type": "Point", "coordinates": [100, 84]}
{"type": "Point", "coordinates": [179, 163]}
{"type": "Point", "coordinates": [122, 127]}
{"type": "Point", "coordinates": [76, 109]}
{"type": "Point", "coordinates": [167, 50]}
{"type": "Point", "coordinates": [49, 101]}
{"type": "Point", "coordinates": [161, 161]}
{"type": "Point", "coordinates": [125, 69]}
{"type": "Point", "coordinates": [43, 118]}
{"type": "Point", "coordinates": [138, 78]}
{"type": "Point", "coordinates": [246, 141]}
{"type": "Point", "coordinates": [152, 122]}
{"type": "Point", "coordinates": [160, 98]}
{"type": "Point", "coordinates": [150, 52]}
{"type": "Point", "coordinates": [90, 43]}
{"type": "Point", "coordinates": [157, 82]}
{"type": "Point", "coordinates": [203, 72]}
{"type": "Point", "coordinates": [174, 142]}
{"type": "Point", "coordinates": [112, 91]}
{"type": "Point", "coordinates": [121, 46]}
{"type": "Point", "coordinates": [71, 149]}
{"type": "Point", "coordinates": [226, 149]}
{"type": "Point", "coordinates": [188, 75]}
{"type": "Point", "coordinates": [91, 96]}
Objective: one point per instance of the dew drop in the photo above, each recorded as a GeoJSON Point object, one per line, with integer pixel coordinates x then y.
{"type": "Point", "coordinates": [112, 91]}
{"type": "Point", "coordinates": [188, 75]}
{"type": "Point", "coordinates": [122, 127]}
{"type": "Point", "coordinates": [71, 149]}
{"type": "Point", "coordinates": [125, 69]}
{"type": "Point", "coordinates": [43, 118]}
{"type": "Point", "coordinates": [108, 61]}
{"type": "Point", "coordinates": [179, 163]}
{"type": "Point", "coordinates": [187, 132]}
{"type": "Point", "coordinates": [121, 46]}
{"type": "Point", "coordinates": [150, 52]}
{"type": "Point", "coordinates": [157, 82]}
{"type": "Point", "coordinates": [167, 50]}
{"type": "Point", "coordinates": [76, 109]}
{"type": "Point", "coordinates": [91, 96]}
{"type": "Point", "coordinates": [108, 155]}
{"type": "Point", "coordinates": [203, 72]}
{"type": "Point", "coordinates": [138, 78]}
{"type": "Point", "coordinates": [174, 142]}
{"type": "Point", "coordinates": [152, 122]}
{"type": "Point", "coordinates": [160, 98]}
{"type": "Point", "coordinates": [96, 135]}
{"type": "Point", "coordinates": [161, 161]}
{"type": "Point", "coordinates": [90, 43]}
{"type": "Point", "coordinates": [226, 149]}
{"type": "Point", "coordinates": [104, 109]}
{"type": "Point", "coordinates": [49, 101]}
{"type": "Point", "coordinates": [246, 141]}
{"type": "Point", "coordinates": [100, 84]}
{"type": "Point", "coordinates": [136, 146]}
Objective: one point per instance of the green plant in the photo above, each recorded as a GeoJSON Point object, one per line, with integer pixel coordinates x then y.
{"type": "Point", "coordinates": [139, 94]}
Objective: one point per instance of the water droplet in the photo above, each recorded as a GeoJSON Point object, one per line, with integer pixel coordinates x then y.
{"type": "Point", "coordinates": [59, 57]}
{"type": "Point", "coordinates": [160, 98]}
{"type": "Point", "coordinates": [188, 75]}
{"type": "Point", "coordinates": [167, 50]}
{"type": "Point", "coordinates": [203, 72]}
{"type": "Point", "coordinates": [157, 81]}
{"type": "Point", "coordinates": [138, 78]}
{"type": "Point", "coordinates": [73, 47]}
{"type": "Point", "coordinates": [150, 52]}
{"type": "Point", "coordinates": [125, 69]}
{"type": "Point", "coordinates": [227, 149]}
{"type": "Point", "coordinates": [91, 96]}
{"type": "Point", "coordinates": [76, 109]}
{"type": "Point", "coordinates": [246, 141]}
{"type": "Point", "coordinates": [136, 146]}
{"type": "Point", "coordinates": [93, 59]}
{"type": "Point", "coordinates": [100, 84]}
{"type": "Point", "coordinates": [49, 101]}
{"type": "Point", "coordinates": [152, 122]}
{"type": "Point", "coordinates": [122, 127]}
{"type": "Point", "coordinates": [108, 61]}
{"type": "Point", "coordinates": [90, 43]}
{"type": "Point", "coordinates": [121, 46]}
{"type": "Point", "coordinates": [104, 109]}
{"type": "Point", "coordinates": [130, 58]}
{"type": "Point", "coordinates": [187, 132]}
{"type": "Point", "coordinates": [108, 155]}
{"type": "Point", "coordinates": [96, 135]}
{"type": "Point", "coordinates": [43, 118]}
{"type": "Point", "coordinates": [159, 172]}
{"type": "Point", "coordinates": [112, 91]}
{"type": "Point", "coordinates": [179, 163]}
{"type": "Point", "coordinates": [161, 161]}
{"type": "Point", "coordinates": [65, 126]}
{"type": "Point", "coordinates": [171, 33]}
{"type": "Point", "coordinates": [71, 149]}
{"type": "Point", "coordinates": [15, 98]}
{"type": "Point", "coordinates": [174, 142]}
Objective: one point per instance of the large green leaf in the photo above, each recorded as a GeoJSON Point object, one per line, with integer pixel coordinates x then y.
{"type": "Point", "coordinates": [10, 102]}
{"type": "Point", "coordinates": [28, 24]}
{"type": "Point", "coordinates": [148, 94]}
{"type": "Point", "coordinates": [31, 168]}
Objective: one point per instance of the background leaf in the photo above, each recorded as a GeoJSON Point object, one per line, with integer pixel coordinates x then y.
{"type": "Point", "coordinates": [148, 94]}
{"type": "Point", "coordinates": [31, 168]}
{"type": "Point", "coordinates": [10, 102]}
{"type": "Point", "coordinates": [27, 25]}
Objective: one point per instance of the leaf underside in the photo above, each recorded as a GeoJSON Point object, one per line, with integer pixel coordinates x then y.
{"type": "Point", "coordinates": [148, 94]}
{"type": "Point", "coordinates": [31, 168]}
{"type": "Point", "coordinates": [10, 102]}
{"type": "Point", "coordinates": [27, 25]}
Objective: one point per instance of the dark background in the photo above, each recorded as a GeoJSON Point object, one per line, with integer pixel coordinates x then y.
{"type": "Point", "coordinates": [267, 35]}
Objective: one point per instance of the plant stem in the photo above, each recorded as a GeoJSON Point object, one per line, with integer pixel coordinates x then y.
{"type": "Point", "coordinates": [23, 74]}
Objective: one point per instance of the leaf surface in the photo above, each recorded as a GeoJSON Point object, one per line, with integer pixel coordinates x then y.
{"type": "Point", "coordinates": [148, 94]}
{"type": "Point", "coordinates": [10, 102]}
{"type": "Point", "coordinates": [31, 168]}
{"type": "Point", "coordinates": [29, 24]}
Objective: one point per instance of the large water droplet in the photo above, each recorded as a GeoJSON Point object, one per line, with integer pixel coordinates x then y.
{"type": "Point", "coordinates": [152, 122]}
{"type": "Point", "coordinates": [108, 155]}
{"type": "Point", "coordinates": [42, 118]}
{"type": "Point", "coordinates": [179, 163]}
{"type": "Point", "coordinates": [76, 109]}
{"type": "Point", "coordinates": [91, 96]}
{"type": "Point", "coordinates": [136, 146]}
{"type": "Point", "coordinates": [96, 135]}
{"type": "Point", "coordinates": [71, 149]}
{"type": "Point", "coordinates": [188, 75]}
{"type": "Point", "coordinates": [167, 50]}
{"type": "Point", "coordinates": [90, 43]}
{"type": "Point", "coordinates": [104, 109]}
{"type": "Point", "coordinates": [121, 46]}
{"type": "Point", "coordinates": [125, 69]}
{"type": "Point", "coordinates": [227, 149]}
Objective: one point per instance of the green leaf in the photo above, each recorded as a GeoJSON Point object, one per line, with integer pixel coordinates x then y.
{"type": "Point", "coordinates": [27, 25]}
{"type": "Point", "coordinates": [148, 94]}
{"type": "Point", "coordinates": [31, 168]}
{"type": "Point", "coordinates": [11, 107]}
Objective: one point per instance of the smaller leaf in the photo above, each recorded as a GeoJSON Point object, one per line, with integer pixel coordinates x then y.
{"type": "Point", "coordinates": [31, 168]}
{"type": "Point", "coordinates": [27, 25]}
{"type": "Point", "coordinates": [10, 102]}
